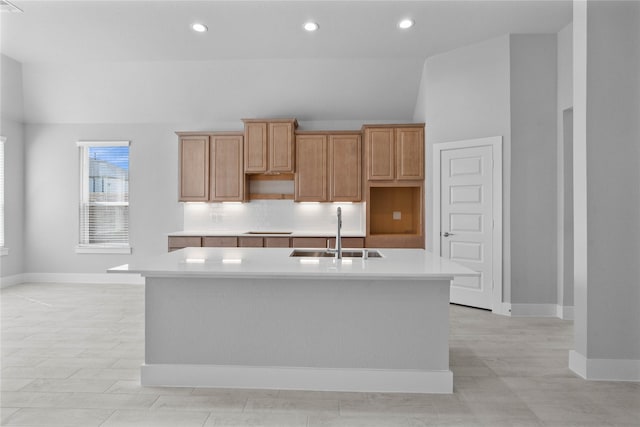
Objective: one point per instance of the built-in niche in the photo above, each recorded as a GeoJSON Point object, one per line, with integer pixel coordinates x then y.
{"type": "Point", "coordinates": [395, 216]}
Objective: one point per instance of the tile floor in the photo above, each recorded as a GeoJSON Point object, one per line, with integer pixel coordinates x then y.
{"type": "Point", "coordinates": [71, 354]}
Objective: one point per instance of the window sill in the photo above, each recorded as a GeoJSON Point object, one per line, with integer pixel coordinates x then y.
{"type": "Point", "coordinates": [4, 251]}
{"type": "Point", "coordinates": [103, 250]}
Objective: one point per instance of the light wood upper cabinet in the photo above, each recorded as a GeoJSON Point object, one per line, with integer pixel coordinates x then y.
{"type": "Point", "coordinates": [194, 168]}
{"type": "Point", "coordinates": [269, 146]}
{"type": "Point", "coordinates": [227, 181]}
{"type": "Point", "coordinates": [409, 153]}
{"type": "Point", "coordinates": [394, 152]}
{"type": "Point", "coordinates": [345, 173]}
{"type": "Point", "coordinates": [311, 164]}
{"type": "Point", "coordinates": [281, 147]}
{"type": "Point", "coordinates": [380, 153]}
{"type": "Point", "coordinates": [211, 167]}
{"type": "Point", "coordinates": [328, 167]}
{"type": "Point", "coordinates": [255, 147]}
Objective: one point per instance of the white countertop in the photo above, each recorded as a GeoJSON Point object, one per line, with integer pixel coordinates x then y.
{"type": "Point", "coordinates": [266, 233]}
{"type": "Point", "coordinates": [276, 263]}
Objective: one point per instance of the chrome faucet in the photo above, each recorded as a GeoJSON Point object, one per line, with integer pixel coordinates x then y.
{"type": "Point", "coordinates": [338, 238]}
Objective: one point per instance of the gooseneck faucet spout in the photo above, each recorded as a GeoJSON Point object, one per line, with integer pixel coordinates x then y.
{"type": "Point", "coordinates": [338, 237]}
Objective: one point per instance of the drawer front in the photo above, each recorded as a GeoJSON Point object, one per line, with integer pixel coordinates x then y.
{"type": "Point", "coordinates": [309, 242]}
{"type": "Point", "coordinates": [276, 242]}
{"type": "Point", "coordinates": [176, 242]}
{"type": "Point", "coordinates": [220, 242]}
{"type": "Point", "coordinates": [348, 242]}
{"type": "Point", "coordinates": [250, 242]}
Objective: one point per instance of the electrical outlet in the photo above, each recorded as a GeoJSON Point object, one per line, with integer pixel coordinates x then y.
{"type": "Point", "coordinates": [397, 215]}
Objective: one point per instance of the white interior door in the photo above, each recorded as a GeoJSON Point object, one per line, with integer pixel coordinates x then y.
{"type": "Point", "coordinates": [466, 221]}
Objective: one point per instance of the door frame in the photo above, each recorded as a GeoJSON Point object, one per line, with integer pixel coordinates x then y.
{"type": "Point", "coordinates": [495, 142]}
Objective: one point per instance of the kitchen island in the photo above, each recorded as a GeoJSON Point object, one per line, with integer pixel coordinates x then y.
{"type": "Point", "coordinates": [259, 318]}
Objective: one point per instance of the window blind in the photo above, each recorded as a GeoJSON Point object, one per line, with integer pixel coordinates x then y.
{"type": "Point", "coordinates": [2, 140]}
{"type": "Point", "coordinates": [104, 193]}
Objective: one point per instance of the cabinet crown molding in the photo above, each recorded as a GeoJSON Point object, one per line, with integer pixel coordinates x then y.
{"type": "Point", "coordinates": [292, 120]}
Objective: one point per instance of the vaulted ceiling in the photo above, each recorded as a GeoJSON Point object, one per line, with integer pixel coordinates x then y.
{"type": "Point", "coordinates": [83, 60]}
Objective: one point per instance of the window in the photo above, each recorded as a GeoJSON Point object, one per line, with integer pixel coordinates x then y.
{"type": "Point", "coordinates": [104, 197]}
{"type": "Point", "coordinates": [3, 250]}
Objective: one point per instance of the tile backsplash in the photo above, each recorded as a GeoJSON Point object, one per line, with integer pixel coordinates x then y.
{"type": "Point", "coordinates": [274, 215]}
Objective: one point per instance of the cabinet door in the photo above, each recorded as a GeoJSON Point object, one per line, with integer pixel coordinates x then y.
{"type": "Point", "coordinates": [194, 168]}
{"type": "Point", "coordinates": [179, 242]}
{"type": "Point", "coordinates": [380, 153]}
{"type": "Point", "coordinates": [276, 242]}
{"type": "Point", "coordinates": [255, 147]}
{"type": "Point", "coordinates": [409, 154]}
{"type": "Point", "coordinates": [348, 242]}
{"type": "Point", "coordinates": [311, 165]}
{"type": "Point", "coordinates": [220, 242]}
{"type": "Point", "coordinates": [227, 174]}
{"type": "Point", "coordinates": [250, 242]}
{"type": "Point", "coordinates": [345, 159]}
{"type": "Point", "coordinates": [281, 147]}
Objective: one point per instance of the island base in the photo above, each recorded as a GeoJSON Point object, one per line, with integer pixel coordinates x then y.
{"type": "Point", "coordinates": [363, 335]}
{"type": "Point", "coordinates": [257, 377]}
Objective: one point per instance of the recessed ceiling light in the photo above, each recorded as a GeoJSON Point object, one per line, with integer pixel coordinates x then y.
{"type": "Point", "coordinates": [406, 23]}
{"type": "Point", "coordinates": [311, 26]}
{"type": "Point", "coordinates": [201, 28]}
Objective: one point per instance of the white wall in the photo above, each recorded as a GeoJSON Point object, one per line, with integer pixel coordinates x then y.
{"type": "Point", "coordinates": [533, 169]}
{"type": "Point", "coordinates": [465, 94]}
{"type": "Point", "coordinates": [11, 109]}
{"type": "Point", "coordinates": [606, 190]}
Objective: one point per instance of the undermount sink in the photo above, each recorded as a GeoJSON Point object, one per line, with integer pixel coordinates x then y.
{"type": "Point", "coordinates": [323, 253]}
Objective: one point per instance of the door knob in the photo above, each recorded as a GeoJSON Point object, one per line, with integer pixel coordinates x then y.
{"type": "Point", "coordinates": [447, 234]}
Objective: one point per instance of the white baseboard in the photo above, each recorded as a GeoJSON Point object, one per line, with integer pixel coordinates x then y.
{"type": "Point", "coordinates": [537, 310]}
{"type": "Point", "coordinates": [534, 310]}
{"type": "Point", "coordinates": [564, 312]}
{"type": "Point", "coordinates": [503, 309]}
{"type": "Point", "coordinates": [89, 278]}
{"type": "Point", "coordinates": [604, 369]}
{"type": "Point", "coordinates": [324, 379]}
{"type": "Point", "coordinates": [7, 281]}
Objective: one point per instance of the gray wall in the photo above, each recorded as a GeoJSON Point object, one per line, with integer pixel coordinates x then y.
{"type": "Point", "coordinates": [533, 169]}
{"type": "Point", "coordinates": [11, 111]}
{"type": "Point", "coordinates": [464, 94]}
{"type": "Point", "coordinates": [504, 86]}
{"type": "Point", "coordinates": [51, 159]}
{"type": "Point", "coordinates": [565, 166]}
{"type": "Point", "coordinates": [146, 103]}
{"type": "Point", "coordinates": [220, 91]}
{"type": "Point", "coordinates": [606, 177]}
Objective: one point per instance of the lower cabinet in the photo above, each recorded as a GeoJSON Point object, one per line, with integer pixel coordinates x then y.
{"type": "Point", "coordinates": [250, 242]}
{"type": "Point", "coordinates": [277, 242]}
{"type": "Point", "coordinates": [348, 242]}
{"type": "Point", "coordinates": [219, 242]}
{"type": "Point", "coordinates": [179, 242]}
{"type": "Point", "coordinates": [324, 242]}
